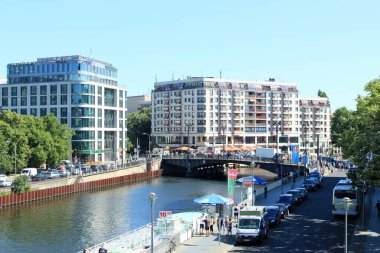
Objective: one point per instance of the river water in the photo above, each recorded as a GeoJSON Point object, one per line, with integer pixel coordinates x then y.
{"type": "Point", "coordinates": [71, 223]}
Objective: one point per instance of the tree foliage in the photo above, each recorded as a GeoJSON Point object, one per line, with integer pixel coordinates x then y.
{"type": "Point", "coordinates": [36, 140]}
{"type": "Point", "coordinates": [322, 94]}
{"type": "Point", "coordinates": [340, 120]}
{"type": "Point", "coordinates": [20, 184]}
{"type": "Point", "coordinates": [360, 133]}
{"type": "Point", "coordinates": [138, 123]}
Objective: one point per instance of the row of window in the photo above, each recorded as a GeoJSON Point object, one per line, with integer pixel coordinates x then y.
{"type": "Point", "coordinates": [39, 68]}
{"type": "Point", "coordinates": [60, 78]}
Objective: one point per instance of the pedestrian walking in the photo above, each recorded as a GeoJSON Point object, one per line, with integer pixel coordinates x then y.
{"type": "Point", "coordinates": [236, 213]}
{"type": "Point", "coordinates": [212, 221]}
{"type": "Point", "coordinates": [378, 207]}
{"type": "Point", "coordinates": [207, 225]}
{"type": "Point", "coordinates": [265, 191]}
{"type": "Point", "coordinates": [229, 227]}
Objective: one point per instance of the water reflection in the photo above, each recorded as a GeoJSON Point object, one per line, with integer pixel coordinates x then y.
{"type": "Point", "coordinates": [68, 224]}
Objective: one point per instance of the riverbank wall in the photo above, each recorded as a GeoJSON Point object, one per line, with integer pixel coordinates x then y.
{"type": "Point", "coordinates": [59, 187]}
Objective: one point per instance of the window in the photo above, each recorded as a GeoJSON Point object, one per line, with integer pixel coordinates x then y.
{"type": "Point", "coordinates": [24, 101]}
{"type": "Point", "coordinates": [4, 92]}
{"type": "Point", "coordinates": [4, 101]}
{"type": "Point", "coordinates": [33, 111]}
{"type": "Point", "coordinates": [63, 88]}
{"type": "Point", "coordinates": [63, 112]}
{"type": "Point", "coordinates": [43, 90]}
{"type": "Point", "coordinates": [43, 100]}
{"type": "Point", "coordinates": [63, 120]}
{"type": "Point", "coordinates": [24, 111]}
{"type": "Point", "coordinates": [43, 112]}
{"type": "Point", "coordinates": [23, 91]}
{"type": "Point", "coordinates": [14, 91]}
{"type": "Point", "coordinates": [63, 99]}
{"type": "Point", "coordinates": [54, 111]}
{"type": "Point", "coordinates": [33, 90]}
{"type": "Point", "coordinates": [53, 89]}
{"type": "Point", "coordinates": [53, 100]}
{"type": "Point", "coordinates": [14, 101]}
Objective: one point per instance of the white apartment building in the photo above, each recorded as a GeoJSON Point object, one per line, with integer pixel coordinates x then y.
{"type": "Point", "coordinates": [207, 111]}
{"type": "Point", "coordinates": [315, 121]}
{"type": "Point", "coordinates": [81, 92]}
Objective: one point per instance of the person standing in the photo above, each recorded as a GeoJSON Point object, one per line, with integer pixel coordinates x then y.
{"type": "Point", "coordinates": [236, 213]}
{"type": "Point", "coordinates": [265, 191]}
{"type": "Point", "coordinates": [212, 225]}
{"type": "Point", "coordinates": [207, 225]}
{"type": "Point", "coordinates": [378, 207]}
{"type": "Point", "coordinates": [229, 227]}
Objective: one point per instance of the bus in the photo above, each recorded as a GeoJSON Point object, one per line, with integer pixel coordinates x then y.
{"type": "Point", "coordinates": [353, 193]}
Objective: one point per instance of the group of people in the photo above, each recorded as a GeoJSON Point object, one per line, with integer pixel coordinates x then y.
{"type": "Point", "coordinates": [206, 225]}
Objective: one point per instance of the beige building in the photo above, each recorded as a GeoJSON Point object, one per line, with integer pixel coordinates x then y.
{"type": "Point", "coordinates": [134, 103]}
{"type": "Point", "coordinates": [203, 111]}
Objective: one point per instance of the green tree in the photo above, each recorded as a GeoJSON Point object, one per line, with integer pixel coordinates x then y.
{"type": "Point", "coordinates": [322, 94]}
{"type": "Point", "coordinates": [138, 123]}
{"type": "Point", "coordinates": [362, 134]}
{"type": "Point", "coordinates": [20, 184]}
{"type": "Point", "coordinates": [340, 120]}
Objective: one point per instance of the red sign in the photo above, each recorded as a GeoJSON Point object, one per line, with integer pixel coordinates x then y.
{"type": "Point", "coordinates": [165, 214]}
{"type": "Point", "coordinates": [247, 183]}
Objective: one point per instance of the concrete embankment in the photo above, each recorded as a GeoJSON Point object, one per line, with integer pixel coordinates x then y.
{"type": "Point", "coordinates": [64, 186]}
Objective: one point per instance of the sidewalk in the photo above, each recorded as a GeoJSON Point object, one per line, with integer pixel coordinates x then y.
{"type": "Point", "coordinates": [202, 243]}
{"type": "Point", "coordinates": [371, 232]}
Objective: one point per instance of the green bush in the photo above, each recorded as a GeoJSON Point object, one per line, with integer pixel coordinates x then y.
{"type": "Point", "coordinates": [20, 184]}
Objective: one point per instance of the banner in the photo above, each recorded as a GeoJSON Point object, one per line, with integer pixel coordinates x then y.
{"type": "Point", "coordinates": [232, 175]}
{"type": "Point", "coordinates": [295, 153]}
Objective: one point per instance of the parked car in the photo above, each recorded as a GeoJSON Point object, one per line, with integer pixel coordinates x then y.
{"type": "Point", "coordinates": [296, 196]}
{"type": "Point", "coordinates": [63, 172]}
{"type": "Point", "coordinates": [283, 209]}
{"type": "Point", "coordinates": [310, 184]}
{"type": "Point", "coordinates": [274, 215]}
{"type": "Point", "coordinates": [97, 168]}
{"type": "Point", "coordinates": [85, 169]}
{"type": "Point", "coordinates": [52, 174]}
{"type": "Point", "coordinates": [304, 193]}
{"type": "Point", "coordinates": [5, 181]}
{"type": "Point", "coordinates": [317, 175]}
{"type": "Point", "coordinates": [29, 172]}
{"type": "Point", "coordinates": [40, 176]}
{"type": "Point", "coordinates": [317, 181]}
{"type": "Point", "coordinates": [287, 200]}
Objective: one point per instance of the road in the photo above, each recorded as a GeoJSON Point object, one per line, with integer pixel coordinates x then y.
{"type": "Point", "coordinates": [310, 228]}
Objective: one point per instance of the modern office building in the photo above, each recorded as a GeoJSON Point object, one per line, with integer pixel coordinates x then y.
{"type": "Point", "coordinates": [203, 111]}
{"type": "Point", "coordinates": [315, 121]}
{"type": "Point", "coordinates": [81, 92]}
{"type": "Point", "coordinates": [135, 103]}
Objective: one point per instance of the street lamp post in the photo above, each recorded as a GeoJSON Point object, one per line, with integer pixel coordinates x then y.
{"type": "Point", "coordinates": [277, 124]}
{"type": "Point", "coordinates": [152, 198]}
{"type": "Point", "coordinates": [188, 125]}
{"type": "Point", "coordinates": [148, 142]}
{"type": "Point", "coordinates": [346, 202]}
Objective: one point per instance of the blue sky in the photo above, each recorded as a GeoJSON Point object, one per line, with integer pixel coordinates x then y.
{"type": "Point", "coordinates": [331, 45]}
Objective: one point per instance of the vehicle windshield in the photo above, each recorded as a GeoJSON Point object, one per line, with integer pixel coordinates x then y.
{"type": "Point", "coordinates": [340, 194]}
{"type": "Point", "coordinates": [285, 199]}
{"type": "Point", "coordinates": [249, 223]}
{"type": "Point", "coordinates": [282, 207]}
{"type": "Point", "coordinates": [271, 212]}
{"type": "Point", "coordinates": [25, 171]}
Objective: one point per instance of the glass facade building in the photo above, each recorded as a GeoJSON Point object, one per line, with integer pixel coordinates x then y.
{"type": "Point", "coordinates": [81, 92]}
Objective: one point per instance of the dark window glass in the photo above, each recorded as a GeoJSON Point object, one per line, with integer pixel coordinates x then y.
{"type": "Point", "coordinates": [43, 112]}
{"type": "Point", "coordinates": [24, 101]}
{"type": "Point", "coordinates": [53, 100]}
{"type": "Point", "coordinates": [14, 101]}
{"type": "Point", "coordinates": [33, 100]}
{"type": "Point", "coordinates": [63, 99]}
{"type": "Point", "coordinates": [4, 101]}
{"type": "Point", "coordinates": [63, 112]}
{"type": "Point", "coordinates": [33, 111]}
{"type": "Point", "coordinates": [24, 111]}
{"type": "Point", "coordinates": [43, 90]}
{"type": "Point", "coordinates": [33, 90]}
{"type": "Point", "coordinates": [63, 88]}
{"type": "Point", "coordinates": [4, 91]}
{"type": "Point", "coordinates": [24, 91]}
{"type": "Point", "coordinates": [14, 91]}
{"type": "Point", "coordinates": [63, 120]}
{"type": "Point", "coordinates": [53, 89]}
{"type": "Point", "coordinates": [53, 111]}
{"type": "Point", "coordinates": [43, 100]}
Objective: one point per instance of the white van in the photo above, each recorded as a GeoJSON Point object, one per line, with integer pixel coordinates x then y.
{"type": "Point", "coordinates": [253, 225]}
{"type": "Point", "coordinates": [29, 172]}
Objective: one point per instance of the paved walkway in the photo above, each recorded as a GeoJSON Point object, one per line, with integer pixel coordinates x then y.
{"type": "Point", "coordinates": [202, 243]}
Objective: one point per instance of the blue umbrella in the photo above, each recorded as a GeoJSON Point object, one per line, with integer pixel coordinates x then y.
{"type": "Point", "coordinates": [256, 180]}
{"type": "Point", "coordinates": [213, 199]}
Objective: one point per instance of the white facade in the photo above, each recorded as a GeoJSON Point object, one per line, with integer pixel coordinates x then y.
{"type": "Point", "coordinates": [82, 93]}
{"type": "Point", "coordinates": [203, 111]}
